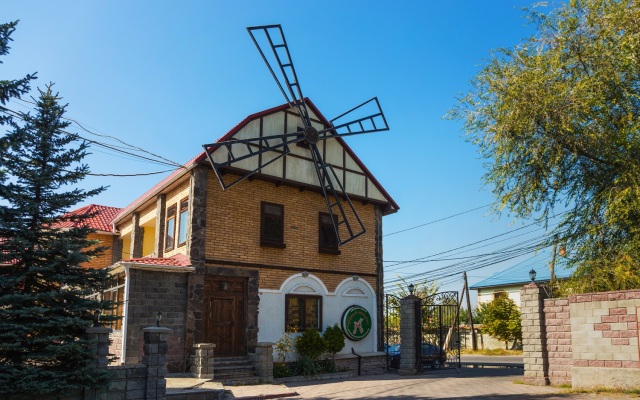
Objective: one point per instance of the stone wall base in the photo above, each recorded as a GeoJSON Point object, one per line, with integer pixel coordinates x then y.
{"type": "Point", "coordinates": [370, 364]}
{"type": "Point", "coordinates": [592, 377]}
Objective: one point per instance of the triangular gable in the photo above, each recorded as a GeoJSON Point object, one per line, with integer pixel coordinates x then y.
{"type": "Point", "coordinates": [297, 166]}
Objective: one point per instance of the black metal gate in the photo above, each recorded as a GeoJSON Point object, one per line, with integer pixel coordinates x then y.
{"type": "Point", "coordinates": [392, 331]}
{"type": "Point", "coordinates": [440, 331]}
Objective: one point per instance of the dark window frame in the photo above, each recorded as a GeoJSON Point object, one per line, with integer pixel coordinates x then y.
{"type": "Point", "coordinates": [500, 294]}
{"type": "Point", "coordinates": [324, 246]}
{"type": "Point", "coordinates": [115, 293]}
{"type": "Point", "coordinates": [184, 201]}
{"type": "Point", "coordinates": [170, 246]}
{"type": "Point", "coordinates": [302, 316]}
{"type": "Point", "coordinates": [264, 240]}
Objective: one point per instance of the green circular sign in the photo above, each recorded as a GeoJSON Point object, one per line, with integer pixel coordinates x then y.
{"type": "Point", "coordinates": [356, 323]}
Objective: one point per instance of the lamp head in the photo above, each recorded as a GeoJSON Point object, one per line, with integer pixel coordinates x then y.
{"type": "Point", "coordinates": [532, 274]}
{"type": "Point", "coordinates": [411, 288]}
{"type": "Point", "coordinates": [158, 318]}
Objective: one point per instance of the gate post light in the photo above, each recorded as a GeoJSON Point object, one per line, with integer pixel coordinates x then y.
{"type": "Point", "coordinates": [411, 288]}
{"type": "Point", "coordinates": [158, 318]}
{"type": "Point", "coordinates": [532, 274]}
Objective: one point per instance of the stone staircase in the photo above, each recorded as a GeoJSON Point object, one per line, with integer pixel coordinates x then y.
{"type": "Point", "coordinates": [234, 371]}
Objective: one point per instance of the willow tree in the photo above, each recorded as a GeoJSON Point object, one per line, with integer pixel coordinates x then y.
{"type": "Point", "coordinates": [557, 118]}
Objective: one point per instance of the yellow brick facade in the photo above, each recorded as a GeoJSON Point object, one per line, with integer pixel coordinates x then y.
{"type": "Point", "coordinates": [105, 259]}
{"type": "Point", "coordinates": [233, 233]}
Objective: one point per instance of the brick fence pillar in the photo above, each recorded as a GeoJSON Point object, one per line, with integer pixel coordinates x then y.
{"type": "Point", "coordinates": [410, 321]}
{"type": "Point", "coordinates": [155, 358]}
{"type": "Point", "coordinates": [263, 361]}
{"type": "Point", "coordinates": [100, 346]}
{"type": "Point", "coordinates": [202, 360]}
{"type": "Point", "coordinates": [534, 343]}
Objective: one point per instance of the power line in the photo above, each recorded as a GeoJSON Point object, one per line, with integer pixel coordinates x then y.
{"type": "Point", "coordinates": [481, 261]}
{"type": "Point", "coordinates": [114, 148]}
{"type": "Point", "coordinates": [458, 268]}
{"type": "Point", "coordinates": [130, 146]}
{"type": "Point", "coordinates": [471, 244]}
{"type": "Point", "coordinates": [438, 220]}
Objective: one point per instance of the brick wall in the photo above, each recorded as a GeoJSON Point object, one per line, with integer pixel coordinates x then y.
{"type": "Point", "coordinates": [558, 334]}
{"type": "Point", "coordinates": [588, 340]}
{"type": "Point", "coordinates": [106, 258]}
{"type": "Point", "coordinates": [606, 329]}
{"type": "Point", "coordinates": [151, 292]}
{"type": "Point", "coordinates": [233, 232]}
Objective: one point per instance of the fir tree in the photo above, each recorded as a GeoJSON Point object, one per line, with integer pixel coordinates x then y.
{"type": "Point", "coordinates": [13, 88]}
{"type": "Point", "coordinates": [44, 293]}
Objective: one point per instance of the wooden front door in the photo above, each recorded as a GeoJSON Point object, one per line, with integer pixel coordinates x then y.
{"type": "Point", "coordinates": [225, 313]}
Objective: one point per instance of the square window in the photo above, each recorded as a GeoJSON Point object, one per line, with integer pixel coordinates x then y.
{"type": "Point", "coordinates": [170, 232]}
{"type": "Point", "coordinates": [183, 222]}
{"type": "Point", "coordinates": [272, 225]}
{"type": "Point", "coordinates": [303, 312]}
{"type": "Point", "coordinates": [327, 239]}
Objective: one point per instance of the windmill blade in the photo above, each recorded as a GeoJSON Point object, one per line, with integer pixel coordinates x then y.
{"type": "Point", "coordinates": [282, 58]}
{"type": "Point", "coordinates": [251, 150]}
{"type": "Point", "coordinates": [364, 118]}
{"type": "Point", "coordinates": [339, 210]}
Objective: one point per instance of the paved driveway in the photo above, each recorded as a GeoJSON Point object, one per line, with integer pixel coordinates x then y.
{"type": "Point", "coordinates": [469, 383]}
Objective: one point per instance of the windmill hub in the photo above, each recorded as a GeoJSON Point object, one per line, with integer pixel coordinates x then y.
{"type": "Point", "coordinates": [311, 134]}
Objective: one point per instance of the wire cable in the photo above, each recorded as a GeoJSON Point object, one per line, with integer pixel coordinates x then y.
{"type": "Point", "coordinates": [438, 220]}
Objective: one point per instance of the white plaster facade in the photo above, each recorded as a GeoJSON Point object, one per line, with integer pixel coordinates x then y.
{"type": "Point", "coordinates": [351, 291]}
{"type": "Point", "coordinates": [487, 294]}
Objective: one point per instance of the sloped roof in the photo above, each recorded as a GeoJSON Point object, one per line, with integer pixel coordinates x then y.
{"type": "Point", "coordinates": [202, 158]}
{"type": "Point", "coordinates": [519, 273]}
{"type": "Point", "coordinates": [178, 260]}
{"type": "Point", "coordinates": [101, 220]}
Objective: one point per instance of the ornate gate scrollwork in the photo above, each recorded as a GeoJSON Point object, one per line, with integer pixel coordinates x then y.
{"type": "Point", "coordinates": [440, 331]}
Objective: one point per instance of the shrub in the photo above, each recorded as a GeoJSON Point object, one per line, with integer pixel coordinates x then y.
{"type": "Point", "coordinates": [333, 340]}
{"type": "Point", "coordinates": [310, 344]}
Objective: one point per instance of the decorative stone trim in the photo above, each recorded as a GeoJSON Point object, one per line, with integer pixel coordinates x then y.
{"type": "Point", "coordinates": [262, 359]}
{"type": "Point", "coordinates": [202, 362]}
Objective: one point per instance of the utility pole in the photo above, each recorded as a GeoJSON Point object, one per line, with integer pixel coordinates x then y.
{"type": "Point", "coordinates": [474, 346]}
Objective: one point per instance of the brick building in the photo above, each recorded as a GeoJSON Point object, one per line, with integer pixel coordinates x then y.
{"type": "Point", "coordinates": [240, 266]}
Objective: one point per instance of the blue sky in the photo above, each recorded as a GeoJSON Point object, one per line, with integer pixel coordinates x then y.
{"type": "Point", "coordinates": [170, 76]}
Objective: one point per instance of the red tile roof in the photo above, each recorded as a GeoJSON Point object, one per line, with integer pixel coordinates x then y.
{"type": "Point", "coordinates": [101, 219]}
{"type": "Point", "coordinates": [179, 260]}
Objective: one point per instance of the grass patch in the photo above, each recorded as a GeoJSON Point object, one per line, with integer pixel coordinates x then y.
{"type": "Point", "coordinates": [606, 391]}
{"type": "Point", "coordinates": [492, 352]}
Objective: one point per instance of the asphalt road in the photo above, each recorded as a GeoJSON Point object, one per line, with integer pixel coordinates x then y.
{"type": "Point", "coordinates": [491, 359]}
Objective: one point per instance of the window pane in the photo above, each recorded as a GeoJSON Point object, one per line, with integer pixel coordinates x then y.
{"type": "Point", "coordinates": [182, 229]}
{"type": "Point", "coordinates": [294, 312]}
{"type": "Point", "coordinates": [272, 229]}
{"type": "Point", "coordinates": [328, 238]}
{"type": "Point", "coordinates": [171, 227]}
{"type": "Point", "coordinates": [312, 314]}
{"type": "Point", "coordinates": [272, 224]}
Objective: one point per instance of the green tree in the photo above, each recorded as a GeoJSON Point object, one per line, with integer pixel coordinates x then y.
{"type": "Point", "coordinates": [12, 88]}
{"type": "Point", "coordinates": [333, 340]}
{"type": "Point", "coordinates": [501, 319]}
{"type": "Point", "coordinates": [44, 294]}
{"type": "Point", "coordinates": [423, 289]}
{"type": "Point", "coordinates": [557, 119]}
